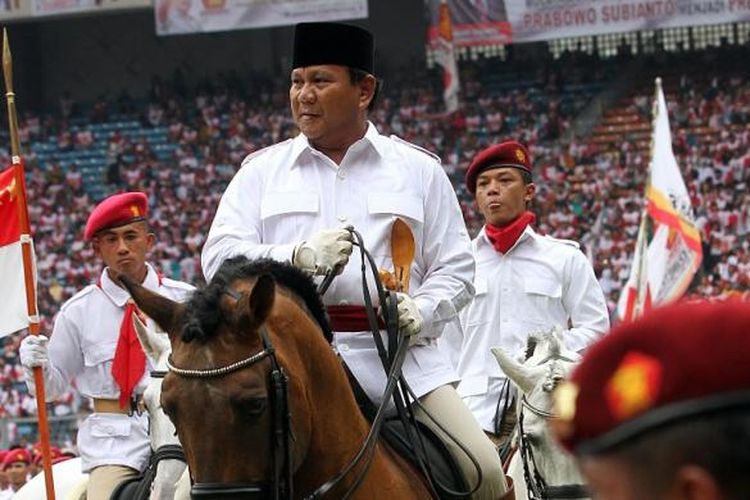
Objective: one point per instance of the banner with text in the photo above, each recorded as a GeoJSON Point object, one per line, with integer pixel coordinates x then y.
{"type": "Point", "coordinates": [494, 22]}
{"type": "Point", "coordinates": [534, 20]}
{"type": "Point", "coordinates": [475, 22]}
{"type": "Point", "coordinates": [56, 7]}
{"type": "Point", "coordinates": [193, 16]}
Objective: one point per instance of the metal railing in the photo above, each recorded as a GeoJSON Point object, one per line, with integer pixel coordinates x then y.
{"type": "Point", "coordinates": [62, 429]}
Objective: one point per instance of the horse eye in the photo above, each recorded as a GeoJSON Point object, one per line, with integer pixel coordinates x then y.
{"type": "Point", "coordinates": [532, 439]}
{"type": "Point", "coordinates": [251, 407]}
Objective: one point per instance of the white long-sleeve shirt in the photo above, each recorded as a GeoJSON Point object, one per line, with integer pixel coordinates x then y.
{"type": "Point", "coordinates": [288, 192]}
{"type": "Point", "coordinates": [538, 284]}
{"type": "Point", "coordinates": [81, 348]}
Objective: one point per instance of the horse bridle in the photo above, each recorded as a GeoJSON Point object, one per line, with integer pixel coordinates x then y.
{"type": "Point", "coordinates": [537, 487]}
{"type": "Point", "coordinates": [280, 487]}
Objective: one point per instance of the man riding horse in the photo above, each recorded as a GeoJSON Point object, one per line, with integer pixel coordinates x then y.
{"type": "Point", "coordinates": [525, 283]}
{"type": "Point", "coordinates": [289, 201]}
{"type": "Point", "coordinates": [93, 342]}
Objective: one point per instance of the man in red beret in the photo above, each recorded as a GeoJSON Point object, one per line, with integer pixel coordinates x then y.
{"type": "Point", "coordinates": [16, 467]}
{"type": "Point", "coordinates": [94, 343]}
{"type": "Point", "coordinates": [291, 202]}
{"type": "Point", "coordinates": [525, 283]}
{"type": "Point", "coordinates": [4, 485]}
{"type": "Point", "coordinates": [660, 408]}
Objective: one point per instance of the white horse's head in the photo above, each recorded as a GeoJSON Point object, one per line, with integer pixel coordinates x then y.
{"type": "Point", "coordinates": [161, 429]}
{"type": "Point", "coordinates": [548, 362]}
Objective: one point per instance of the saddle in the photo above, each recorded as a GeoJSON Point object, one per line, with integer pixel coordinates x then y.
{"type": "Point", "coordinates": [442, 468]}
{"type": "Point", "coordinates": [139, 488]}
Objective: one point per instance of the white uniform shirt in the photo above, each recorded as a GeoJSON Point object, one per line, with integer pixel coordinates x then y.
{"type": "Point", "coordinates": [82, 348]}
{"type": "Point", "coordinates": [540, 283]}
{"type": "Point", "coordinates": [288, 192]}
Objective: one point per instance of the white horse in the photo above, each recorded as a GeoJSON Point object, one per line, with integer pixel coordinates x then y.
{"type": "Point", "coordinates": [540, 469]}
{"type": "Point", "coordinates": [171, 481]}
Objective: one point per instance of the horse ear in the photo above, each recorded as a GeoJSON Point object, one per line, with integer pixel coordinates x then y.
{"type": "Point", "coordinates": [159, 308]}
{"type": "Point", "coordinates": [518, 373]}
{"type": "Point", "coordinates": [154, 344]}
{"type": "Point", "coordinates": [261, 299]}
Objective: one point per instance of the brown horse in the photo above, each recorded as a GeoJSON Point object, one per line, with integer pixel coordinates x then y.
{"type": "Point", "coordinates": [240, 431]}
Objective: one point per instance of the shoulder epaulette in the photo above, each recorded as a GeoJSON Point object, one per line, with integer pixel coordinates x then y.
{"type": "Point", "coordinates": [263, 151]}
{"type": "Point", "coordinates": [571, 243]}
{"type": "Point", "coordinates": [168, 282]}
{"type": "Point", "coordinates": [78, 296]}
{"type": "Point", "coordinates": [418, 148]}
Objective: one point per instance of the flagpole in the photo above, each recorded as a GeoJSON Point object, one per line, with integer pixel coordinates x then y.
{"type": "Point", "coordinates": [641, 241]}
{"type": "Point", "coordinates": [640, 302]}
{"type": "Point", "coordinates": [28, 267]}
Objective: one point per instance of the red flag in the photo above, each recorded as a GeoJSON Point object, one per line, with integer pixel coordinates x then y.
{"type": "Point", "coordinates": [445, 56]}
{"type": "Point", "coordinates": [13, 307]}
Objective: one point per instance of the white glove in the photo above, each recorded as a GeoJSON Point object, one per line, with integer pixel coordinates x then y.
{"type": "Point", "coordinates": [326, 251]}
{"type": "Point", "coordinates": [409, 318]}
{"type": "Point", "coordinates": [33, 352]}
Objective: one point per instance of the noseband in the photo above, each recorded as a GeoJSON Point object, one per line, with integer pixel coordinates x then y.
{"type": "Point", "coordinates": [537, 487]}
{"type": "Point", "coordinates": [281, 485]}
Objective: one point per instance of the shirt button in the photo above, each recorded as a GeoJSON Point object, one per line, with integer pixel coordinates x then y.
{"type": "Point", "coordinates": [341, 174]}
{"type": "Point", "coordinates": [505, 320]}
{"type": "Point", "coordinates": [505, 289]}
{"type": "Point", "coordinates": [343, 347]}
{"type": "Point", "coordinates": [343, 302]}
{"type": "Point", "coordinates": [341, 218]}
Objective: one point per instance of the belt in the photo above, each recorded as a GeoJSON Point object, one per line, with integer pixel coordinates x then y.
{"type": "Point", "coordinates": [109, 406]}
{"type": "Point", "coordinates": [350, 319]}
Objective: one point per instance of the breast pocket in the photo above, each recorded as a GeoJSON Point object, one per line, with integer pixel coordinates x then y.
{"type": "Point", "coordinates": [286, 215]}
{"type": "Point", "coordinates": [479, 312]}
{"type": "Point", "coordinates": [97, 354]}
{"type": "Point", "coordinates": [544, 295]}
{"type": "Point", "coordinates": [396, 205]}
{"type": "Point", "coordinates": [383, 209]}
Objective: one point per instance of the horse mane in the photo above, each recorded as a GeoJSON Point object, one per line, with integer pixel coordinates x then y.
{"type": "Point", "coordinates": [203, 317]}
{"type": "Point", "coordinates": [531, 344]}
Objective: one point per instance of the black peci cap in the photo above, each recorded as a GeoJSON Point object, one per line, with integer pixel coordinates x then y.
{"type": "Point", "coordinates": [333, 43]}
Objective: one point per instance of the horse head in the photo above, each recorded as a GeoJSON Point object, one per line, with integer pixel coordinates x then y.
{"type": "Point", "coordinates": [548, 362]}
{"type": "Point", "coordinates": [257, 327]}
{"type": "Point", "coordinates": [164, 441]}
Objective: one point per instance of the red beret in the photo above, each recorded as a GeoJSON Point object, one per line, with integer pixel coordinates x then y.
{"type": "Point", "coordinates": [506, 154]}
{"type": "Point", "coordinates": [117, 210]}
{"type": "Point", "coordinates": [61, 458]}
{"type": "Point", "coordinates": [54, 452]}
{"type": "Point", "coordinates": [17, 455]}
{"type": "Point", "coordinates": [674, 363]}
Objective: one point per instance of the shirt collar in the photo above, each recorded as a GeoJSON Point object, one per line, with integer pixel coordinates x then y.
{"type": "Point", "coordinates": [483, 240]}
{"type": "Point", "coordinates": [301, 144]}
{"type": "Point", "coordinates": [119, 296]}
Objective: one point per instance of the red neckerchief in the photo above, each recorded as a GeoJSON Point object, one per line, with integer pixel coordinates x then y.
{"type": "Point", "coordinates": [503, 238]}
{"type": "Point", "coordinates": [129, 362]}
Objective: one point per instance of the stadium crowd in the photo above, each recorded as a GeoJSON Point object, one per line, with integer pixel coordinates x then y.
{"type": "Point", "coordinates": [590, 192]}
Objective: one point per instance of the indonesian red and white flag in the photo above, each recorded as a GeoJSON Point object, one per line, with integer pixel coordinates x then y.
{"type": "Point", "coordinates": [13, 308]}
{"type": "Point", "coordinates": [445, 56]}
{"type": "Point", "coordinates": [669, 251]}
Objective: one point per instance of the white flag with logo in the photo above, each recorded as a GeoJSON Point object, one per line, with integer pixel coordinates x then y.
{"type": "Point", "coordinates": [671, 252]}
